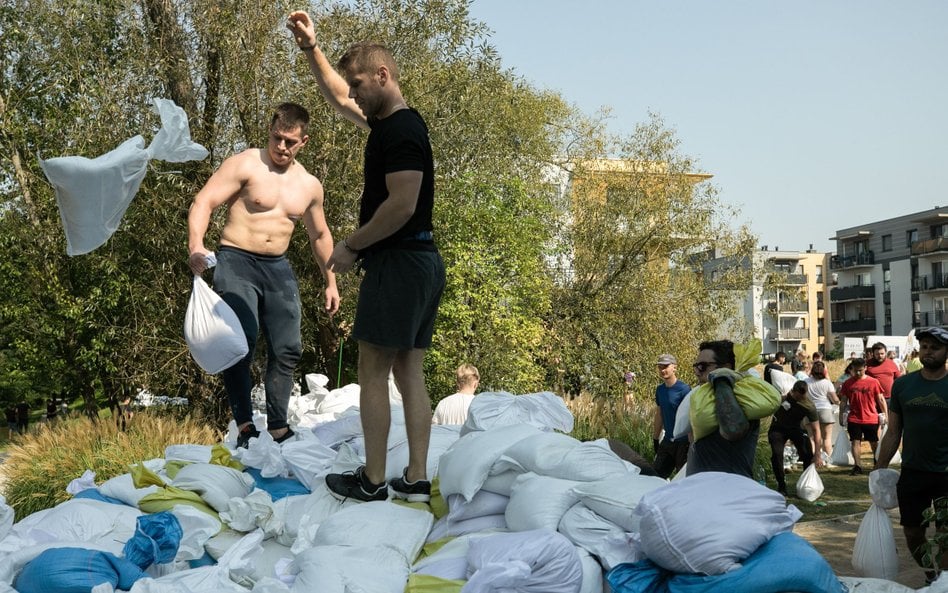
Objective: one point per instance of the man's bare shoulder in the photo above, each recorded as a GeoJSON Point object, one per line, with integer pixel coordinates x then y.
{"type": "Point", "coordinates": [309, 182]}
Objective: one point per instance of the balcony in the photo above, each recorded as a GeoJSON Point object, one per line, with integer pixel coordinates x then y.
{"type": "Point", "coordinates": [795, 333]}
{"type": "Point", "coordinates": [930, 246]}
{"type": "Point", "coordinates": [932, 282]}
{"type": "Point", "coordinates": [852, 293]}
{"type": "Point", "coordinates": [843, 262]}
{"type": "Point", "coordinates": [867, 324]}
{"type": "Point", "coordinates": [930, 318]}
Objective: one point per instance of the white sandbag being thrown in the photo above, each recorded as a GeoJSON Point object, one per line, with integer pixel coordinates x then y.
{"type": "Point", "coordinates": [93, 194]}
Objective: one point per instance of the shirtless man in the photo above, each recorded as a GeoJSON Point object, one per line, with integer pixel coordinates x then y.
{"type": "Point", "coordinates": [266, 192]}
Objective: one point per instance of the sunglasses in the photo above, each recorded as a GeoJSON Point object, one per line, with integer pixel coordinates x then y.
{"type": "Point", "coordinates": [703, 366]}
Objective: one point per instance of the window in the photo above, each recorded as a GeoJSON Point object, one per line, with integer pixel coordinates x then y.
{"type": "Point", "coordinates": [819, 274]}
{"type": "Point", "coordinates": [886, 242]}
{"type": "Point", "coordinates": [911, 236]}
{"type": "Point", "coordinates": [864, 279]}
{"type": "Point", "coordinates": [939, 230]}
{"type": "Point", "coordinates": [886, 280]}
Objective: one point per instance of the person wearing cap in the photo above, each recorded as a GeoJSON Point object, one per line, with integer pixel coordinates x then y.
{"type": "Point", "coordinates": [917, 417]}
{"type": "Point", "coordinates": [671, 454]}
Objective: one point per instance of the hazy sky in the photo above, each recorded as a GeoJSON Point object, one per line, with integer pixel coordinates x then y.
{"type": "Point", "coordinates": [812, 116]}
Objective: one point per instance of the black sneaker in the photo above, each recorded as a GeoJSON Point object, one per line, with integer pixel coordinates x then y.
{"type": "Point", "coordinates": [356, 486]}
{"type": "Point", "coordinates": [289, 434]}
{"type": "Point", "coordinates": [246, 433]}
{"type": "Point", "coordinates": [855, 471]}
{"type": "Point", "coordinates": [419, 491]}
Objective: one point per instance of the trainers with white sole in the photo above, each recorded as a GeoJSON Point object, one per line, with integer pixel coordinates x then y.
{"type": "Point", "coordinates": [417, 491]}
{"type": "Point", "coordinates": [354, 485]}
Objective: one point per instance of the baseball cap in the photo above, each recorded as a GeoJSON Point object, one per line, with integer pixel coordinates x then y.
{"type": "Point", "coordinates": [667, 359]}
{"type": "Point", "coordinates": [936, 333]}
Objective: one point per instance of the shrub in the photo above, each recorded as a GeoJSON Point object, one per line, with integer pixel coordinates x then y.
{"type": "Point", "coordinates": [41, 463]}
{"type": "Point", "coordinates": [628, 420]}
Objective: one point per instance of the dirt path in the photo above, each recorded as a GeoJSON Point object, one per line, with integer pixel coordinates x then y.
{"type": "Point", "coordinates": [834, 539]}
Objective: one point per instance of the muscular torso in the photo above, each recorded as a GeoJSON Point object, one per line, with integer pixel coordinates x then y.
{"type": "Point", "coordinates": [262, 215]}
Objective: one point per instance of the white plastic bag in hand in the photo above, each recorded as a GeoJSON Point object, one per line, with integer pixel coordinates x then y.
{"type": "Point", "coordinates": [810, 485]}
{"type": "Point", "coordinates": [211, 329]}
{"type": "Point", "coordinates": [882, 487]}
{"type": "Point", "coordinates": [874, 552]}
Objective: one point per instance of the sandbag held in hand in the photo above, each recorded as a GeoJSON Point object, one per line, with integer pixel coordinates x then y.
{"type": "Point", "coordinates": [211, 329]}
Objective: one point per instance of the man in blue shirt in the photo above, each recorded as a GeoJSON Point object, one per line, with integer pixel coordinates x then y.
{"type": "Point", "coordinates": [670, 453]}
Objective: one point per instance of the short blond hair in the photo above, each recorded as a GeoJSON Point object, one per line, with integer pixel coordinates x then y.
{"type": "Point", "coordinates": [467, 375]}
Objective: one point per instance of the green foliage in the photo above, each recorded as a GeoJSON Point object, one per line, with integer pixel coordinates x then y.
{"type": "Point", "coordinates": [628, 420]}
{"type": "Point", "coordinates": [41, 463]}
{"type": "Point", "coordinates": [935, 548]}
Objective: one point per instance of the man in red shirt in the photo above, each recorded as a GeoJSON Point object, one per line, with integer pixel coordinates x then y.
{"type": "Point", "coordinates": [882, 368]}
{"type": "Point", "coordinates": [863, 396]}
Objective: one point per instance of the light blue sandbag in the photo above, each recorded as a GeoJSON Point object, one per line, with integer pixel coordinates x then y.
{"type": "Point", "coordinates": [785, 563]}
{"type": "Point", "coordinates": [156, 540]}
{"type": "Point", "coordinates": [76, 570]}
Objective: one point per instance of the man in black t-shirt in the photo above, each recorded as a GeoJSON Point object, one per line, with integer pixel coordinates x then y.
{"type": "Point", "coordinates": [786, 426]}
{"type": "Point", "coordinates": [404, 275]}
{"type": "Point", "coordinates": [777, 365]}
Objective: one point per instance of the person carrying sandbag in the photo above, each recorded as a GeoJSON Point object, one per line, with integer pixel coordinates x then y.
{"type": "Point", "coordinates": [727, 407]}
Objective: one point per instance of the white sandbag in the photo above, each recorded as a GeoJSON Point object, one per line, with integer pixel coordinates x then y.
{"type": "Point", "coordinates": [93, 194]}
{"type": "Point", "coordinates": [307, 458]}
{"type": "Point", "coordinates": [483, 503]}
{"type": "Point", "coordinates": [445, 528]}
{"type": "Point", "coordinates": [681, 474]}
{"type": "Point", "coordinates": [897, 456]}
{"type": "Point", "coordinates": [254, 511]}
{"type": "Point", "coordinates": [188, 452]}
{"type": "Point", "coordinates": [710, 522]}
{"type": "Point", "coordinates": [874, 553]}
{"type": "Point", "coordinates": [539, 502]}
{"type": "Point", "coordinates": [527, 562]}
{"type": "Point", "coordinates": [592, 573]}
{"type": "Point", "coordinates": [467, 463]}
{"type": "Point", "coordinates": [442, 437]}
{"type": "Point", "coordinates": [450, 560]}
{"type": "Point", "coordinates": [234, 572]}
{"type": "Point", "coordinates": [212, 330]}
{"type": "Point", "coordinates": [216, 484]}
{"type": "Point", "coordinates": [265, 454]}
{"type": "Point", "coordinates": [809, 484]}
{"type": "Point", "coordinates": [544, 410]}
{"type": "Point", "coordinates": [122, 487]}
{"type": "Point", "coordinates": [197, 527]}
{"type": "Point", "coordinates": [615, 498]}
{"type": "Point", "coordinates": [346, 426]}
{"type": "Point", "coordinates": [501, 483]}
{"type": "Point", "coordinates": [291, 510]}
{"type": "Point", "coordinates": [842, 448]}
{"type": "Point", "coordinates": [77, 520]}
{"type": "Point", "coordinates": [317, 385]}
{"type": "Point", "coordinates": [603, 539]}
{"type": "Point", "coordinates": [562, 456]}
{"type": "Point", "coordinates": [350, 569]}
{"type": "Point", "coordinates": [882, 487]}
{"type": "Point", "coordinates": [683, 418]}
{"type": "Point", "coordinates": [782, 381]}
{"type": "Point", "coordinates": [339, 400]}
{"type": "Point", "coordinates": [7, 516]}
{"type": "Point", "coordinates": [84, 482]}
{"type": "Point", "coordinates": [377, 523]}
{"type": "Point", "coordinates": [869, 585]}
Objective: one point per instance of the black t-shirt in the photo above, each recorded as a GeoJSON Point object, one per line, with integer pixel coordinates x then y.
{"type": "Point", "coordinates": [771, 367]}
{"type": "Point", "coordinates": [791, 413]}
{"type": "Point", "coordinates": [398, 142]}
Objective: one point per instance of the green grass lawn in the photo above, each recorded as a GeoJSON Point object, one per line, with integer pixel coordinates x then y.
{"type": "Point", "coordinates": [843, 494]}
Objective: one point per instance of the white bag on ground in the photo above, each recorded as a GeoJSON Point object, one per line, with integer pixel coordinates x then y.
{"type": "Point", "coordinates": [874, 552]}
{"type": "Point", "coordinates": [539, 502]}
{"type": "Point", "coordinates": [93, 194]}
{"type": "Point", "coordinates": [212, 331]}
{"type": "Point", "coordinates": [216, 484]}
{"type": "Point", "coordinates": [616, 497]}
{"type": "Point", "coordinates": [710, 522]}
{"type": "Point", "coordinates": [603, 539]}
{"type": "Point", "coordinates": [466, 464]}
{"type": "Point", "coordinates": [882, 487]}
{"type": "Point", "coordinates": [810, 485]}
{"type": "Point", "coordinates": [530, 561]}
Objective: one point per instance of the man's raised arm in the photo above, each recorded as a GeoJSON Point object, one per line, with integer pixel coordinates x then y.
{"type": "Point", "coordinates": [331, 84]}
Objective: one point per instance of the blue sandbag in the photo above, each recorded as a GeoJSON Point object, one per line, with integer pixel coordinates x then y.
{"type": "Point", "coordinates": [785, 563]}
{"type": "Point", "coordinates": [277, 487]}
{"type": "Point", "coordinates": [205, 560]}
{"type": "Point", "coordinates": [76, 570]}
{"type": "Point", "coordinates": [156, 540]}
{"type": "Point", "coordinates": [94, 494]}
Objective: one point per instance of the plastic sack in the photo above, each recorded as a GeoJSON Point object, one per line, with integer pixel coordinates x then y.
{"type": "Point", "coordinates": [782, 381]}
{"type": "Point", "coordinates": [882, 483]}
{"type": "Point", "coordinates": [842, 448]}
{"type": "Point", "coordinates": [683, 417]}
{"type": "Point", "coordinates": [874, 552]}
{"type": "Point", "coordinates": [544, 410]}
{"type": "Point", "coordinates": [156, 540]}
{"type": "Point", "coordinates": [810, 485]}
{"type": "Point", "coordinates": [529, 561]}
{"type": "Point", "coordinates": [76, 569]}
{"type": "Point", "coordinates": [211, 329]}
{"type": "Point", "coordinates": [758, 398]}
{"type": "Point", "coordinates": [93, 194]}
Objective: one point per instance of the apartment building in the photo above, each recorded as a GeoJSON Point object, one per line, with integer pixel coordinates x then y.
{"type": "Point", "coordinates": [891, 275]}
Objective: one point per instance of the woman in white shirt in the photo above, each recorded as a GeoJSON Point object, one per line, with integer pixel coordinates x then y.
{"type": "Point", "coordinates": [822, 393]}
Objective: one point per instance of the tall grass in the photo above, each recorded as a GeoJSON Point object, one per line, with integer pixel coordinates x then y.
{"type": "Point", "coordinates": [626, 420]}
{"type": "Point", "coordinates": [41, 463]}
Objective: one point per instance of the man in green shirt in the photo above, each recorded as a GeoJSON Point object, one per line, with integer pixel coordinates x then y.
{"type": "Point", "coordinates": [918, 414]}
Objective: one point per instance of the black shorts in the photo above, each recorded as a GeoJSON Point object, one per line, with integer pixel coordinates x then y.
{"type": "Point", "coordinates": [398, 298]}
{"type": "Point", "coordinates": [917, 491]}
{"type": "Point", "coordinates": [863, 432]}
